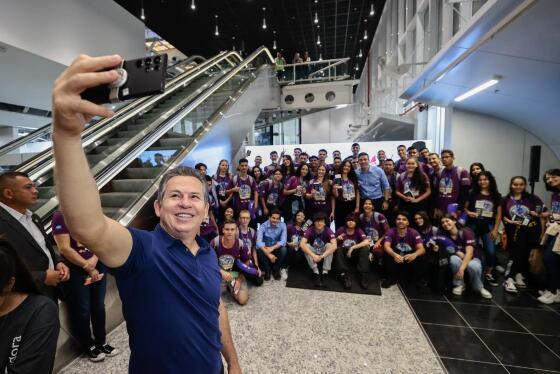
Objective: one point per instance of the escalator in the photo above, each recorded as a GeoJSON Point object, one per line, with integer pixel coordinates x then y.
{"type": "Point", "coordinates": [128, 156]}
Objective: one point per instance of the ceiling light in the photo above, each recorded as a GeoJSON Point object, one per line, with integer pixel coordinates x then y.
{"type": "Point", "coordinates": [193, 5]}
{"type": "Point", "coordinates": [360, 54]}
{"type": "Point", "coordinates": [264, 18]}
{"type": "Point", "coordinates": [216, 32]}
{"type": "Point", "coordinates": [365, 34]}
{"type": "Point", "coordinates": [320, 57]}
{"type": "Point", "coordinates": [274, 46]}
{"type": "Point", "coordinates": [372, 10]}
{"type": "Point", "coordinates": [356, 68]}
{"type": "Point", "coordinates": [318, 39]}
{"type": "Point", "coordinates": [316, 20]}
{"type": "Point", "coordinates": [477, 89]}
{"type": "Point", "coordinates": [142, 15]}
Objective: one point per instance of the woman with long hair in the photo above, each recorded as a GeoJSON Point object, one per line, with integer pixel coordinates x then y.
{"type": "Point", "coordinates": [413, 188]}
{"type": "Point", "coordinates": [29, 323]}
{"type": "Point", "coordinates": [287, 168]}
{"type": "Point", "coordinates": [551, 257]}
{"type": "Point", "coordinates": [222, 179]}
{"type": "Point", "coordinates": [294, 192]}
{"type": "Point", "coordinates": [375, 226]}
{"type": "Point", "coordinates": [465, 259]}
{"type": "Point", "coordinates": [346, 194]}
{"type": "Point", "coordinates": [484, 212]}
{"type": "Point", "coordinates": [271, 192]}
{"type": "Point", "coordinates": [257, 174]}
{"type": "Point", "coordinates": [295, 232]}
{"type": "Point", "coordinates": [475, 169]}
{"type": "Point", "coordinates": [319, 194]}
{"type": "Point", "coordinates": [521, 216]}
{"type": "Point", "coordinates": [260, 180]}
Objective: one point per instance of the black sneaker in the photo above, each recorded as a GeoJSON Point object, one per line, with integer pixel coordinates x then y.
{"type": "Point", "coordinates": [109, 350]}
{"type": "Point", "coordinates": [346, 281]}
{"type": "Point", "coordinates": [317, 280]}
{"type": "Point", "coordinates": [363, 281]}
{"type": "Point", "coordinates": [267, 276]}
{"type": "Point", "coordinates": [323, 277]}
{"type": "Point", "coordinates": [276, 275]}
{"type": "Point", "coordinates": [491, 280]}
{"type": "Point", "coordinates": [388, 283]}
{"type": "Point", "coordinates": [94, 354]}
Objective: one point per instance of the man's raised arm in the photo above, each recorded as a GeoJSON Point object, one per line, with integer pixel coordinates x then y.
{"type": "Point", "coordinates": [76, 189]}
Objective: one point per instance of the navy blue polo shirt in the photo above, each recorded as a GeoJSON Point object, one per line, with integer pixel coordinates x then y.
{"type": "Point", "coordinates": [170, 303]}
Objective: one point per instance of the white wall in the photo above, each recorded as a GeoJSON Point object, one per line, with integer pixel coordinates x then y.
{"type": "Point", "coordinates": [501, 146]}
{"type": "Point", "coordinates": [327, 126]}
{"type": "Point", "coordinates": [59, 30]}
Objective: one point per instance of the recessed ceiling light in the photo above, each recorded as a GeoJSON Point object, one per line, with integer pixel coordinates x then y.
{"type": "Point", "coordinates": [478, 89]}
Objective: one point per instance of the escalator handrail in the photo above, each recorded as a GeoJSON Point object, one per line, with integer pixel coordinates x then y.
{"type": "Point", "coordinates": [17, 143]}
{"type": "Point", "coordinates": [44, 161]}
{"type": "Point", "coordinates": [130, 213]}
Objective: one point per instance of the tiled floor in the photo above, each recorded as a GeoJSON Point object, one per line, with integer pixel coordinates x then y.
{"type": "Point", "coordinates": [508, 334]}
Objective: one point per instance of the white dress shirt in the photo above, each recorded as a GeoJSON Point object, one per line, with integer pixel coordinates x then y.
{"type": "Point", "coordinates": [27, 221]}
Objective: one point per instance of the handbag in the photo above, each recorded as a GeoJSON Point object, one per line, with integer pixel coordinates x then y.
{"type": "Point", "coordinates": [536, 261]}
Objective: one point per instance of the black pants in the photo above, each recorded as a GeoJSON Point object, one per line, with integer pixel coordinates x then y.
{"type": "Point", "coordinates": [86, 303]}
{"type": "Point", "coordinates": [342, 262]}
{"type": "Point", "coordinates": [414, 270]}
{"type": "Point", "coordinates": [295, 258]}
{"type": "Point", "coordinates": [520, 241]}
{"type": "Point", "coordinates": [413, 208]}
{"type": "Point", "coordinates": [342, 209]}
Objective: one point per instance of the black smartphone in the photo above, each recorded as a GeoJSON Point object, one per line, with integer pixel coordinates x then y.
{"type": "Point", "coordinates": [138, 78]}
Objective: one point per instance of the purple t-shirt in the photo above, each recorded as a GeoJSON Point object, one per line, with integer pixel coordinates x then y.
{"type": "Point", "coordinates": [294, 234]}
{"type": "Point", "coordinates": [249, 240]}
{"type": "Point", "coordinates": [348, 190]}
{"type": "Point", "coordinates": [449, 185]}
{"type": "Point", "coordinates": [403, 244]}
{"type": "Point", "coordinates": [293, 182]}
{"type": "Point", "coordinates": [484, 206]}
{"type": "Point", "coordinates": [59, 227]}
{"type": "Point", "coordinates": [270, 169]}
{"type": "Point", "coordinates": [247, 188]}
{"type": "Point", "coordinates": [465, 237]}
{"type": "Point", "coordinates": [321, 200]}
{"type": "Point", "coordinates": [349, 240]}
{"type": "Point", "coordinates": [375, 226]}
{"type": "Point", "coordinates": [404, 185]}
{"type": "Point", "coordinates": [227, 256]}
{"type": "Point", "coordinates": [318, 241]}
{"type": "Point", "coordinates": [555, 203]}
{"type": "Point", "coordinates": [272, 193]}
{"type": "Point", "coordinates": [519, 209]}
{"type": "Point", "coordinates": [222, 184]}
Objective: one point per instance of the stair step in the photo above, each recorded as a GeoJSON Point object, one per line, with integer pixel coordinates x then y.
{"type": "Point", "coordinates": [142, 173]}
{"type": "Point", "coordinates": [118, 199]}
{"type": "Point", "coordinates": [130, 185]}
{"type": "Point", "coordinates": [174, 142]}
{"type": "Point", "coordinates": [110, 212]}
{"type": "Point", "coordinates": [126, 134]}
{"type": "Point", "coordinates": [46, 192]}
{"type": "Point", "coordinates": [116, 141]}
{"type": "Point", "coordinates": [95, 159]}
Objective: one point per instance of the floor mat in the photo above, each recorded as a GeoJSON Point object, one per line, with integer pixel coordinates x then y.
{"type": "Point", "coordinates": [302, 277]}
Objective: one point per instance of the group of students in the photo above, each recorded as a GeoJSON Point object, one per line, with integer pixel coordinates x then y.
{"type": "Point", "coordinates": [419, 218]}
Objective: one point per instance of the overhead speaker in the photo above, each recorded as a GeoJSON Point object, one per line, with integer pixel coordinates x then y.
{"type": "Point", "coordinates": [535, 164]}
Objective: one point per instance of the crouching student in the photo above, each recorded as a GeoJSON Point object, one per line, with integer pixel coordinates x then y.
{"type": "Point", "coordinates": [404, 253]}
{"type": "Point", "coordinates": [467, 257]}
{"type": "Point", "coordinates": [235, 263]}
{"type": "Point", "coordinates": [248, 236]}
{"type": "Point", "coordinates": [295, 233]}
{"type": "Point", "coordinates": [318, 244]}
{"type": "Point", "coordinates": [271, 245]}
{"type": "Point", "coordinates": [352, 244]}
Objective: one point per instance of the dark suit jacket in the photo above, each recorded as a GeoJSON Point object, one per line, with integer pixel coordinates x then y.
{"type": "Point", "coordinates": [29, 250]}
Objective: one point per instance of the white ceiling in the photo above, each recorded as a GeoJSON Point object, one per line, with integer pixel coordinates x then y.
{"type": "Point", "coordinates": [527, 55]}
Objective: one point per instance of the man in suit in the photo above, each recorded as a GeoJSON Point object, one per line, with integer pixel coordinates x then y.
{"type": "Point", "coordinates": [24, 230]}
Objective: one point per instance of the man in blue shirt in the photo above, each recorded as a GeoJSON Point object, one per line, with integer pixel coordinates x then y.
{"type": "Point", "coordinates": [168, 279]}
{"type": "Point", "coordinates": [271, 245]}
{"type": "Point", "coordinates": [373, 183]}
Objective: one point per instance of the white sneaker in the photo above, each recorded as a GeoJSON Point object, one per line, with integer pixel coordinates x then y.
{"type": "Point", "coordinates": [500, 269]}
{"type": "Point", "coordinates": [508, 268]}
{"type": "Point", "coordinates": [549, 298]}
{"type": "Point", "coordinates": [520, 281]}
{"type": "Point", "coordinates": [485, 293]}
{"type": "Point", "coordinates": [542, 292]}
{"type": "Point", "coordinates": [283, 274]}
{"type": "Point", "coordinates": [509, 286]}
{"type": "Point", "coordinates": [458, 290]}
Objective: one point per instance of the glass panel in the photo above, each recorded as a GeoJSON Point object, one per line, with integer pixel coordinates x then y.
{"type": "Point", "coordinates": [477, 4]}
{"type": "Point", "coordinates": [456, 17]}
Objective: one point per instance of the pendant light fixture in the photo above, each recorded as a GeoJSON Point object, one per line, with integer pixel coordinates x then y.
{"type": "Point", "coordinates": [193, 5]}
{"type": "Point", "coordinates": [142, 14]}
{"type": "Point", "coordinates": [365, 29]}
{"type": "Point", "coordinates": [216, 31]}
{"type": "Point", "coordinates": [371, 10]}
{"type": "Point", "coordinates": [264, 18]}
{"type": "Point", "coordinates": [318, 39]}
{"type": "Point", "coordinates": [316, 20]}
{"type": "Point", "coordinates": [320, 57]}
{"type": "Point", "coordinates": [360, 54]}
{"type": "Point", "coordinates": [274, 46]}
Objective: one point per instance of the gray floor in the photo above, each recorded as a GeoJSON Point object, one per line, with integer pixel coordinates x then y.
{"type": "Point", "coordinates": [286, 330]}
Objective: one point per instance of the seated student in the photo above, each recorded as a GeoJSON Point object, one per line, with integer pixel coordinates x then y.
{"type": "Point", "coordinates": [235, 262]}
{"type": "Point", "coordinates": [271, 245]}
{"type": "Point", "coordinates": [84, 293]}
{"type": "Point", "coordinates": [352, 243]}
{"type": "Point", "coordinates": [375, 226]}
{"type": "Point", "coordinates": [295, 233]}
{"type": "Point", "coordinates": [29, 323]}
{"type": "Point", "coordinates": [318, 244]}
{"type": "Point", "coordinates": [248, 236]}
{"type": "Point", "coordinates": [209, 228]}
{"type": "Point", "coordinates": [404, 249]}
{"type": "Point", "coordinates": [466, 258]}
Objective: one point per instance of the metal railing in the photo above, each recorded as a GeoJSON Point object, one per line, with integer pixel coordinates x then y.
{"type": "Point", "coordinates": [315, 71]}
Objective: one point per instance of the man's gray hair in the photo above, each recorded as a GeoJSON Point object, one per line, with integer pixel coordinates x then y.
{"type": "Point", "coordinates": [181, 171]}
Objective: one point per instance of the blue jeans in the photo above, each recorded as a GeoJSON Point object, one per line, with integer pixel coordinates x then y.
{"type": "Point", "coordinates": [487, 244]}
{"type": "Point", "coordinates": [266, 265]}
{"type": "Point", "coordinates": [552, 264]}
{"type": "Point", "coordinates": [474, 270]}
{"type": "Point", "coordinates": [86, 303]}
